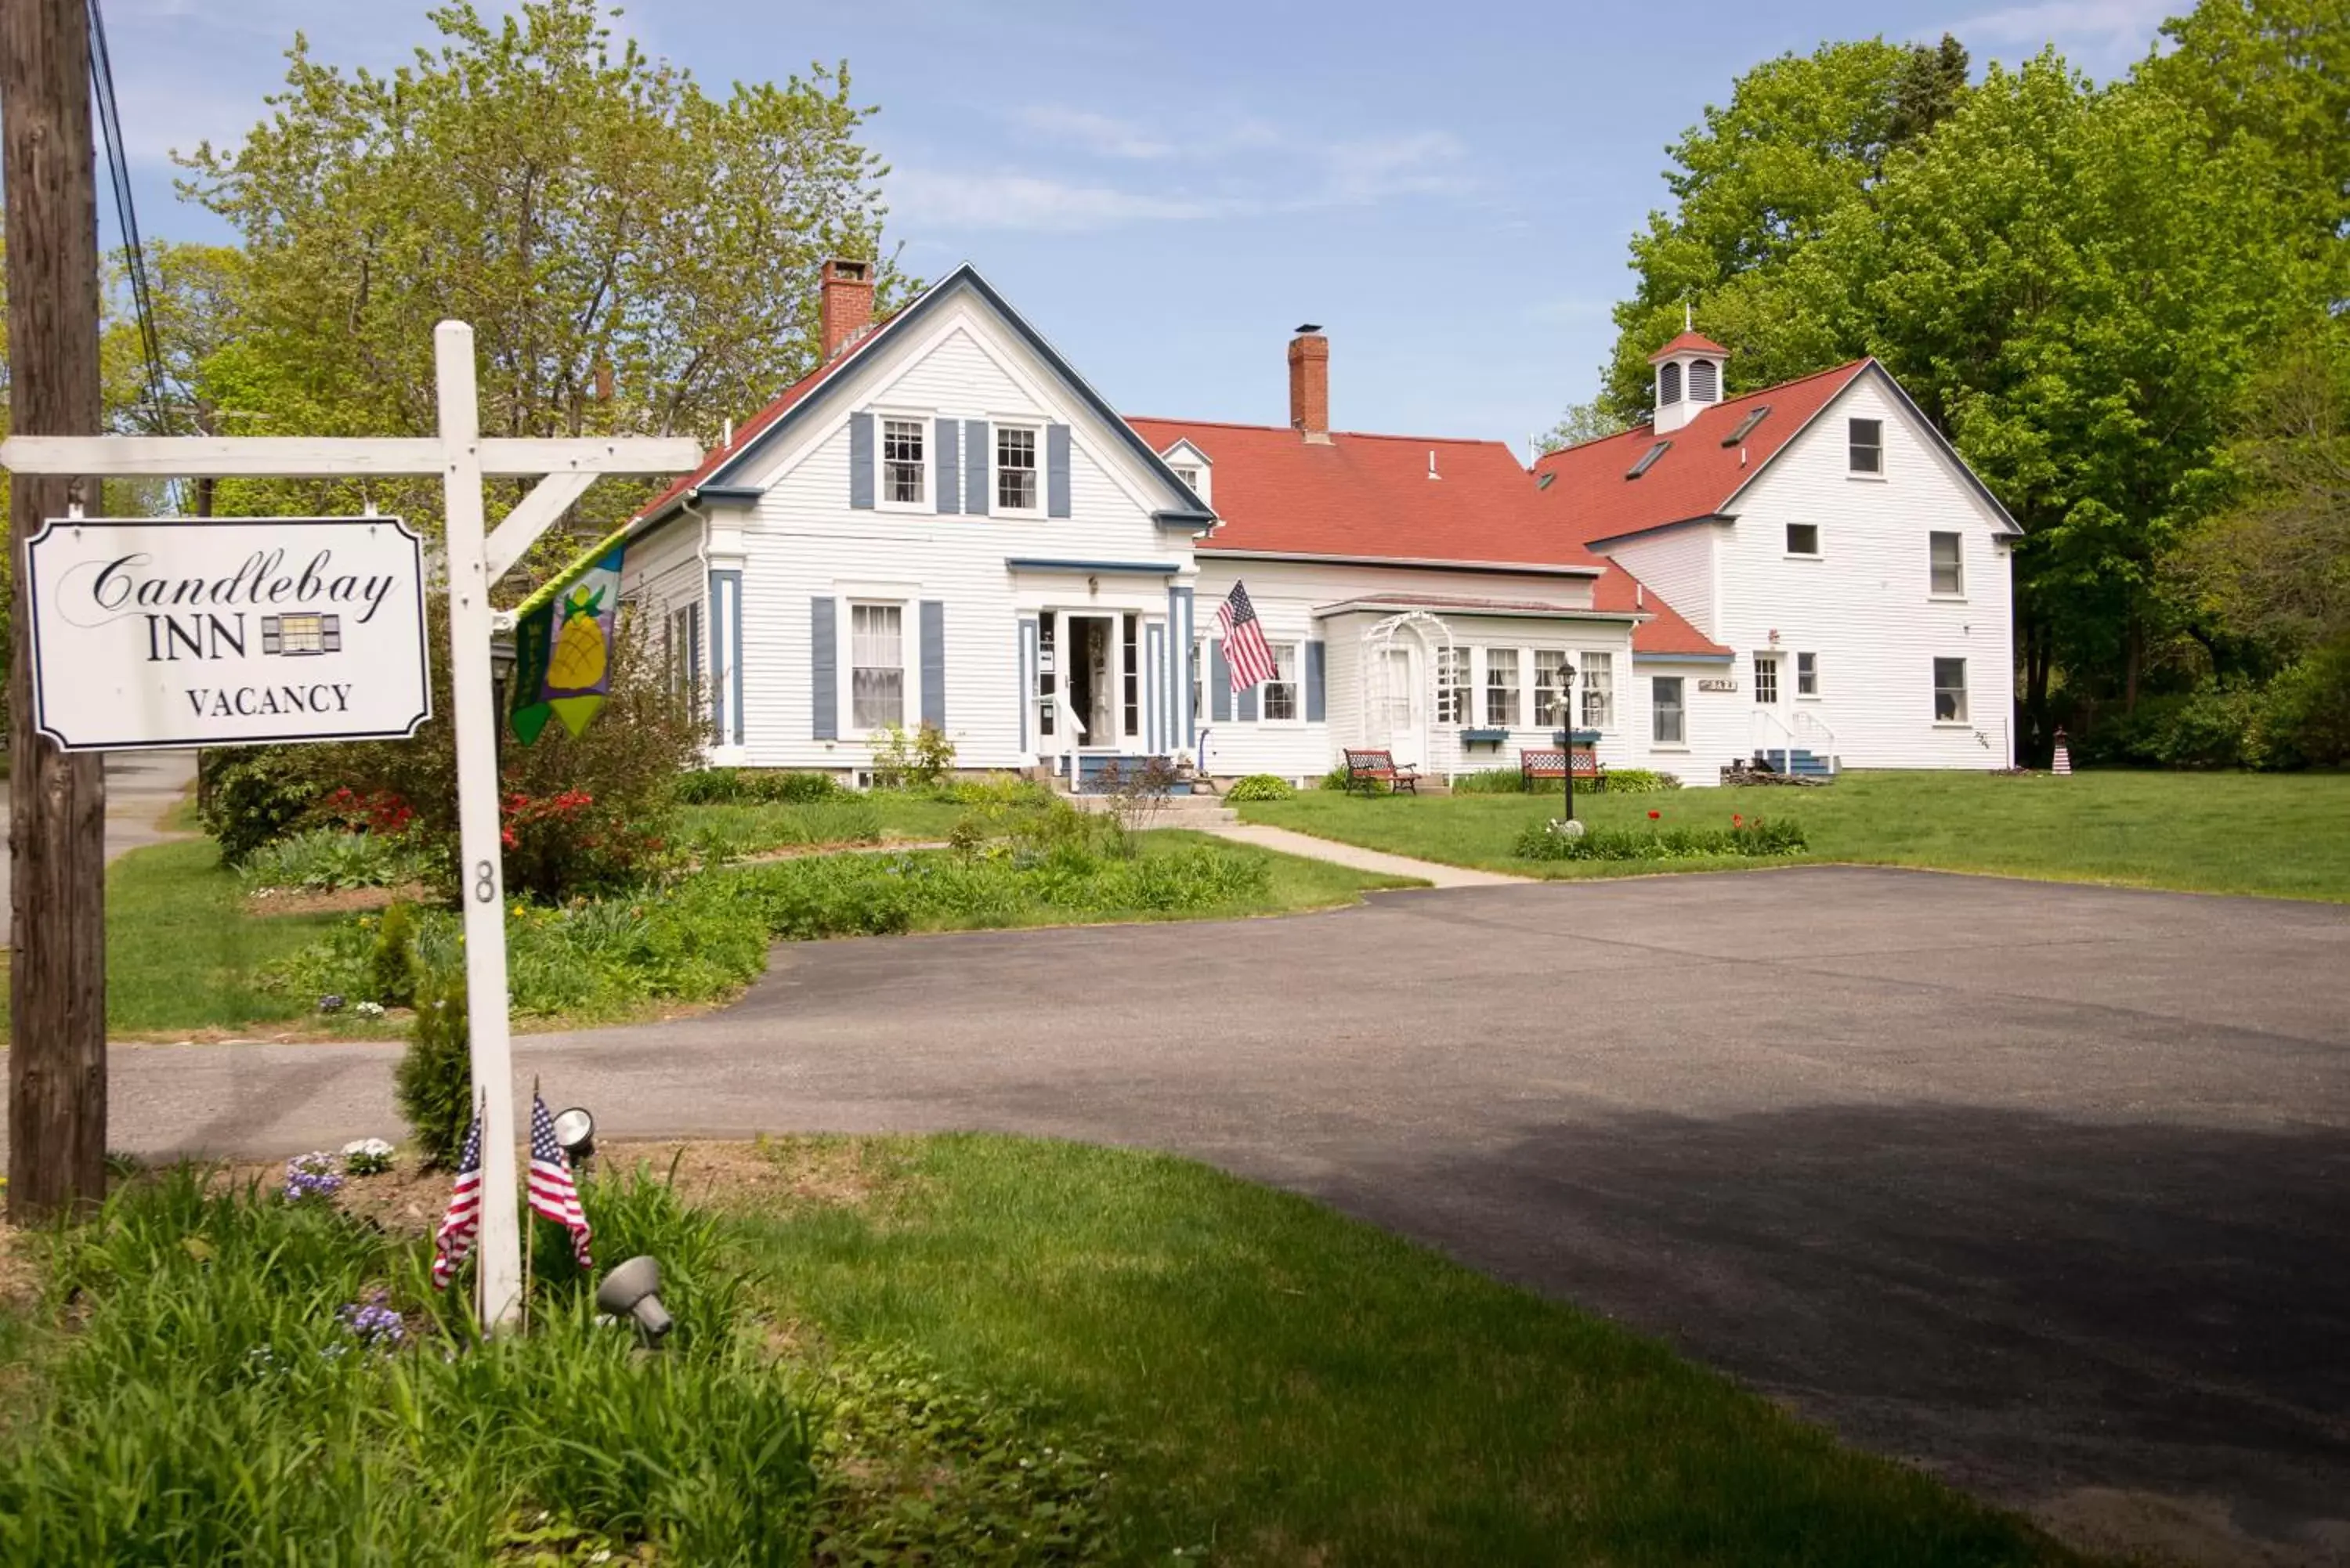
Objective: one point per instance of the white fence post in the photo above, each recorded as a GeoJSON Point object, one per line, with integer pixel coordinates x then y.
{"type": "Point", "coordinates": [498, 1250]}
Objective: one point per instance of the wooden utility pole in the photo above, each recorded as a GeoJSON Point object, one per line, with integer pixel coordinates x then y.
{"type": "Point", "coordinates": [56, 955]}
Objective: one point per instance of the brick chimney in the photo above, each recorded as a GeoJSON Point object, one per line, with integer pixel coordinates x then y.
{"type": "Point", "coordinates": [846, 307]}
{"type": "Point", "coordinates": [1309, 384]}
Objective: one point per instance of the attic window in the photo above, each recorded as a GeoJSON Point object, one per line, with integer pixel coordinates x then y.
{"type": "Point", "coordinates": [1746, 426]}
{"type": "Point", "coordinates": [1648, 460]}
{"type": "Point", "coordinates": [1543, 481]}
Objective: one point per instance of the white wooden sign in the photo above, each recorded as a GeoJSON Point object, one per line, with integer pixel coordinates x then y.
{"type": "Point", "coordinates": [148, 632]}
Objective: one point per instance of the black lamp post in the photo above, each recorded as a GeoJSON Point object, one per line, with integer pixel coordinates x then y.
{"type": "Point", "coordinates": [1566, 732]}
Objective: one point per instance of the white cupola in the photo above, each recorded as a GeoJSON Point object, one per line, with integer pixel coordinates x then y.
{"type": "Point", "coordinates": [1688, 379]}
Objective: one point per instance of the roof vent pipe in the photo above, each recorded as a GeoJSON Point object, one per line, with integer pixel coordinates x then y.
{"type": "Point", "coordinates": [1431, 464]}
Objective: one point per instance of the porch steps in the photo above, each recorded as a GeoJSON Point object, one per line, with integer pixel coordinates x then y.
{"type": "Point", "coordinates": [1800, 763]}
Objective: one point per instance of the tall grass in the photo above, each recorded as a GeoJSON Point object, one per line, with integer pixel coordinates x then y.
{"type": "Point", "coordinates": [212, 1403]}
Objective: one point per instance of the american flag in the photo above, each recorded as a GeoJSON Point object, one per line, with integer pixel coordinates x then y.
{"type": "Point", "coordinates": [462, 1222]}
{"type": "Point", "coordinates": [1246, 653]}
{"type": "Point", "coordinates": [552, 1192]}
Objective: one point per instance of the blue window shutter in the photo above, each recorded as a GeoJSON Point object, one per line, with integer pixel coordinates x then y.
{"type": "Point", "coordinates": [1246, 713]}
{"type": "Point", "coordinates": [934, 664]}
{"type": "Point", "coordinates": [1220, 684]}
{"type": "Point", "coordinates": [948, 468]}
{"type": "Point", "coordinates": [861, 459]}
{"type": "Point", "coordinates": [975, 498]}
{"type": "Point", "coordinates": [824, 668]}
{"type": "Point", "coordinates": [1314, 652]}
{"type": "Point", "coordinates": [1056, 471]}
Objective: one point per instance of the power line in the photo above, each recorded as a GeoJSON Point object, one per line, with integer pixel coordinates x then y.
{"type": "Point", "coordinates": [134, 254]}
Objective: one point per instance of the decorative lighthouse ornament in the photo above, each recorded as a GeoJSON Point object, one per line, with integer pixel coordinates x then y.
{"type": "Point", "coordinates": [2063, 767]}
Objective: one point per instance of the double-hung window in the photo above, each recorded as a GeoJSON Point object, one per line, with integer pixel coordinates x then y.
{"type": "Point", "coordinates": [1946, 565]}
{"type": "Point", "coordinates": [877, 665]}
{"type": "Point", "coordinates": [1867, 446]}
{"type": "Point", "coordinates": [1552, 684]}
{"type": "Point", "coordinates": [1598, 691]}
{"type": "Point", "coordinates": [1280, 691]}
{"type": "Point", "coordinates": [1199, 684]}
{"type": "Point", "coordinates": [682, 648]}
{"type": "Point", "coordinates": [1501, 687]}
{"type": "Point", "coordinates": [1666, 714]}
{"type": "Point", "coordinates": [1452, 686]}
{"type": "Point", "coordinates": [1015, 469]}
{"type": "Point", "coordinates": [1807, 675]}
{"type": "Point", "coordinates": [902, 468]}
{"type": "Point", "coordinates": [1949, 691]}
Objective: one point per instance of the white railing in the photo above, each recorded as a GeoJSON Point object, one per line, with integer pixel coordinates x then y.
{"type": "Point", "coordinates": [1799, 732]}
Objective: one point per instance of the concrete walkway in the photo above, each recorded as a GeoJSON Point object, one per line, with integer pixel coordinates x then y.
{"type": "Point", "coordinates": [1309, 848]}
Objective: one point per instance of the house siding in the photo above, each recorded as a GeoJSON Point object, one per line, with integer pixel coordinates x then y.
{"type": "Point", "coordinates": [1863, 606]}
{"type": "Point", "coordinates": [1682, 565]}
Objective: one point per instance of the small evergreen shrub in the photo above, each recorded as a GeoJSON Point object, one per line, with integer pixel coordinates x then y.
{"type": "Point", "coordinates": [391, 960]}
{"type": "Point", "coordinates": [1748, 836]}
{"type": "Point", "coordinates": [434, 1081]}
{"type": "Point", "coordinates": [1260, 786]}
{"type": "Point", "coordinates": [754, 787]}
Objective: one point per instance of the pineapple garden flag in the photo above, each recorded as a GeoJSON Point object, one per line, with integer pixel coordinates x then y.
{"type": "Point", "coordinates": [562, 664]}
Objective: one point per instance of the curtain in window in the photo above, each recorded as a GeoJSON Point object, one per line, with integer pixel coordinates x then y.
{"type": "Point", "coordinates": [877, 679]}
{"type": "Point", "coordinates": [1598, 691]}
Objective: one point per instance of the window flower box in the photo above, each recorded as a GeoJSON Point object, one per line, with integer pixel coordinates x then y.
{"type": "Point", "coordinates": [1579, 738]}
{"type": "Point", "coordinates": [1484, 735]}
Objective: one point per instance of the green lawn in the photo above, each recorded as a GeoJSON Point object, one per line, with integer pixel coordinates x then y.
{"type": "Point", "coordinates": [2281, 835]}
{"type": "Point", "coordinates": [183, 947]}
{"type": "Point", "coordinates": [1283, 1386]}
{"type": "Point", "coordinates": [752, 828]}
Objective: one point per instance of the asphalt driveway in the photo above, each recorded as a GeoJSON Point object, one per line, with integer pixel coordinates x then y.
{"type": "Point", "coordinates": [2041, 1186]}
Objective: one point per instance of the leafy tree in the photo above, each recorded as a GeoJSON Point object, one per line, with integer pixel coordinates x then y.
{"type": "Point", "coordinates": [1804, 138]}
{"type": "Point", "coordinates": [1581, 422]}
{"type": "Point", "coordinates": [634, 254]}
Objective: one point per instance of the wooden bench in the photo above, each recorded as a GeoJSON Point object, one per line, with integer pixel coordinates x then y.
{"type": "Point", "coordinates": [1537, 763]}
{"type": "Point", "coordinates": [1368, 770]}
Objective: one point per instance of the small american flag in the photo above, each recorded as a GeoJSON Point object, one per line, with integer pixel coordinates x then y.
{"type": "Point", "coordinates": [552, 1192]}
{"type": "Point", "coordinates": [1246, 653]}
{"type": "Point", "coordinates": [462, 1222]}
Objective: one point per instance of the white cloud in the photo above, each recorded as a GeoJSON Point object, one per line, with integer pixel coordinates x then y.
{"type": "Point", "coordinates": [1099, 134]}
{"type": "Point", "coordinates": [2096, 31]}
{"type": "Point", "coordinates": [1033, 202]}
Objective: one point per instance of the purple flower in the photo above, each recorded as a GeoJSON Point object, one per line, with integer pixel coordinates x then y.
{"type": "Point", "coordinates": [311, 1176]}
{"type": "Point", "coordinates": [374, 1323]}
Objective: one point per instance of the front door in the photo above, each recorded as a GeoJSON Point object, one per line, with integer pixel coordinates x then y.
{"type": "Point", "coordinates": [1406, 712]}
{"type": "Point", "coordinates": [1091, 675]}
{"type": "Point", "coordinates": [1770, 695]}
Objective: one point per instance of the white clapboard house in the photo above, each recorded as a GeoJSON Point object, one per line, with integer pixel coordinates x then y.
{"type": "Point", "coordinates": [945, 523]}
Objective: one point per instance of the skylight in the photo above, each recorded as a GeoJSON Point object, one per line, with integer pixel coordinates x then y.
{"type": "Point", "coordinates": [1648, 460]}
{"type": "Point", "coordinates": [1746, 426]}
{"type": "Point", "coordinates": [1544, 482]}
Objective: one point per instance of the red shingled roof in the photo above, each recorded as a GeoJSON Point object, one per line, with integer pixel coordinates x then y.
{"type": "Point", "coordinates": [1369, 496]}
{"type": "Point", "coordinates": [1689, 343]}
{"type": "Point", "coordinates": [1589, 498]}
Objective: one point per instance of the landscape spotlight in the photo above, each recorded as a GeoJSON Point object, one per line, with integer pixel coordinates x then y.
{"type": "Point", "coordinates": [575, 1129]}
{"type": "Point", "coordinates": [633, 1291]}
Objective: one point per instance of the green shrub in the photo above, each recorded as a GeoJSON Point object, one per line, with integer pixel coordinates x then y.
{"type": "Point", "coordinates": [1640, 780]}
{"type": "Point", "coordinates": [391, 960]}
{"type": "Point", "coordinates": [1260, 786]}
{"type": "Point", "coordinates": [219, 1401]}
{"type": "Point", "coordinates": [1335, 779]}
{"type": "Point", "coordinates": [1490, 781]}
{"type": "Point", "coordinates": [434, 1080]}
{"type": "Point", "coordinates": [2304, 715]}
{"type": "Point", "coordinates": [726, 786]}
{"type": "Point", "coordinates": [917, 759]}
{"type": "Point", "coordinates": [253, 795]}
{"type": "Point", "coordinates": [325, 859]}
{"type": "Point", "coordinates": [1753, 837]}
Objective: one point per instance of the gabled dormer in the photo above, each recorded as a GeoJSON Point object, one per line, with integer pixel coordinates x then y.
{"type": "Point", "coordinates": [1689, 380]}
{"type": "Point", "coordinates": [1194, 468]}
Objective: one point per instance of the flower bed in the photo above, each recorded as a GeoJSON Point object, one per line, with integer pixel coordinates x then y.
{"type": "Point", "coordinates": [1745, 836]}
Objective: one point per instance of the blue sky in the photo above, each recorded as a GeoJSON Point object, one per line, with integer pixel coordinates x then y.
{"type": "Point", "coordinates": [1166, 191]}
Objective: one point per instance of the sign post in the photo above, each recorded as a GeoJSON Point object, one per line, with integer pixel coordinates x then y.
{"type": "Point", "coordinates": [262, 708]}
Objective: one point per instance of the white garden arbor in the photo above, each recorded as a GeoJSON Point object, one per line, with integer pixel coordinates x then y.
{"type": "Point", "coordinates": [1402, 657]}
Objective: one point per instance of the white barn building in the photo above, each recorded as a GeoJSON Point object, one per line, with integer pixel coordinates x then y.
{"type": "Point", "coordinates": [944, 524]}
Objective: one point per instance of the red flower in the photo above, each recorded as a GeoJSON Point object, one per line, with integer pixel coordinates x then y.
{"type": "Point", "coordinates": [1737, 820]}
{"type": "Point", "coordinates": [1655, 814]}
